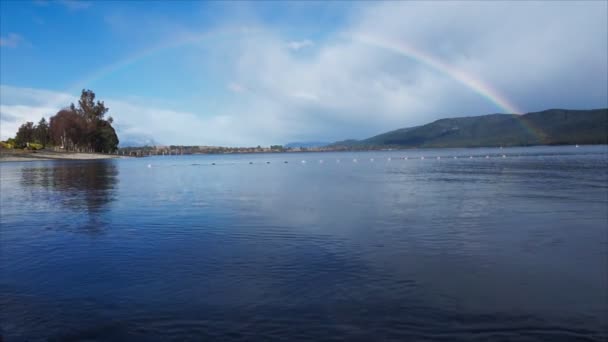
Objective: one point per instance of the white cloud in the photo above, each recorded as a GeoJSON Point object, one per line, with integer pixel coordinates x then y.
{"type": "Point", "coordinates": [536, 55]}
{"type": "Point", "coordinates": [299, 44]}
{"type": "Point", "coordinates": [12, 40]}
{"type": "Point", "coordinates": [348, 88]}
{"type": "Point", "coordinates": [134, 120]}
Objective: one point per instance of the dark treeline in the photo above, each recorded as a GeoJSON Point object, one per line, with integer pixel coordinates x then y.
{"type": "Point", "coordinates": [78, 128]}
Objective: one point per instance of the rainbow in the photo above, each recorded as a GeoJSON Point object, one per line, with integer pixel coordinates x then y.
{"type": "Point", "coordinates": [428, 60]}
{"type": "Point", "coordinates": [400, 48]}
{"type": "Point", "coordinates": [154, 49]}
{"type": "Point", "coordinates": [466, 79]}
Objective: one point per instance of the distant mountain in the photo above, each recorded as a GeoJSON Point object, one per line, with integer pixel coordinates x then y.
{"type": "Point", "coordinates": [549, 127]}
{"type": "Point", "coordinates": [137, 141]}
{"type": "Point", "coordinates": [307, 144]}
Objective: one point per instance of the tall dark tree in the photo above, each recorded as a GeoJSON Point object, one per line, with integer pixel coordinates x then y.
{"type": "Point", "coordinates": [105, 138]}
{"type": "Point", "coordinates": [25, 134]}
{"type": "Point", "coordinates": [41, 133]}
{"type": "Point", "coordinates": [90, 110]}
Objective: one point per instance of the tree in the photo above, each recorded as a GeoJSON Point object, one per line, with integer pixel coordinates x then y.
{"type": "Point", "coordinates": [68, 130]}
{"type": "Point", "coordinates": [41, 132]}
{"type": "Point", "coordinates": [25, 134]}
{"type": "Point", "coordinates": [83, 127]}
{"type": "Point", "coordinates": [75, 128]}
{"type": "Point", "coordinates": [105, 138]}
{"type": "Point", "coordinates": [87, 107]}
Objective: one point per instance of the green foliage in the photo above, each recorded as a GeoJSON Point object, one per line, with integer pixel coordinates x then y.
{"type": "Point", "coordinates": [24, 135]}
{"type": "Point", "coordinates": [89, 109]}
{"type": "Point", "coordinates": [105, 138]}
{"type": "Point", "coordinates": [29, 133]}
{"type": "Point", "coordinates": [41, 132]}
{"type": "Point", "coordinates": [34, 146]}
{"type": "Point", "coordinates": [6, 144]}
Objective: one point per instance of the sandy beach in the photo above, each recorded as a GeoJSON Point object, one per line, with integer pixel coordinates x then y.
{"type": "Point", "coordinates": [19, 156]}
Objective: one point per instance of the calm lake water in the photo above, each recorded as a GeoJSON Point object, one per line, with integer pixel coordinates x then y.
{"type": "Point", "coordinates": [174, 248]}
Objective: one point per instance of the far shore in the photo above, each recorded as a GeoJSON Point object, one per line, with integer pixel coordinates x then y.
{"type": "Point", "coordinates": [21, 155]}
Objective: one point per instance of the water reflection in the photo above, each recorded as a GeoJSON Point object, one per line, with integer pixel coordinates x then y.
{"type": "Point", "coordinates": [511, 249]}
{"type": "Point", "coordinates": [88, 186]}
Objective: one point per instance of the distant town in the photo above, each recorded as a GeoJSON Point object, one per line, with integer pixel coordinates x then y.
{"type": "Point", "coordinates": [185, 150]}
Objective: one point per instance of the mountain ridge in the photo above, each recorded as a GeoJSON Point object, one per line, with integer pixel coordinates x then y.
{"type": "Point", "coordinates": [548, 127]}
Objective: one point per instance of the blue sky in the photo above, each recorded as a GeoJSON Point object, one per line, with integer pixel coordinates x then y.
{"type": "Point", "coordinates": [249, 73]}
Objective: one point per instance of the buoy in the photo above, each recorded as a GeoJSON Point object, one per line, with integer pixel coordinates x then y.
{"type": "Point", "coordinates": [455, 157]}
{"type": "Point", "coordinates": [303, 161]}
{"type": "Point", "coordinates": [285, 162]}
{"type": "Point", "coordinates": [405, 158]}
{"type": "Point", "coordinates": [487, 157]}
{"type": "Point", "coordinates": [250, 162]}
{"type": "Point", "coordinates": [470, 157]}
{"type": "Point", "coordinates": [389, 158]}
{"type": "Point", "coordinates": [354, 160]}
{"type": "Point", "coordinates": [422, 158]}
{"type": "Point", "coordinates": [149, 166]}
{"type": "Point", "coordinates": [267, 162]}
{"type": "Point", "coordinates": [438, 157]}
{"type": "Point", "coordinates": [212, 163]}
{"type": "Point", "coordinates": [337, 160]}
{"type": "Point", "coordinates": [504, 156]}
{"type": "Point", "coordinates": [371, 160]}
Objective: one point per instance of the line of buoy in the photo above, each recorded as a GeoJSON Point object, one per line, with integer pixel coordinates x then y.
{"type": "Point", "coordinates": [371, 160]}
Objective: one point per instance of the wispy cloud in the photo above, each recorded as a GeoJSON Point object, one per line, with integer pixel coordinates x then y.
{"type": "Point", "coordinates": [299, 44]}
{"type": "Point", "coordinates": [12, 40]}
{"type": "Point", "coordinates": [236, 87]}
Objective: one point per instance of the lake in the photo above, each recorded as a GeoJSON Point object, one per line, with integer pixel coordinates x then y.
{"type": "Point", "coordinates": [465, 244]}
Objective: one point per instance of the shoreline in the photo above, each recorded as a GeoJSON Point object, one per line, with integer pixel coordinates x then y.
{"type": "Point", "coordinates": [23, 156]}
